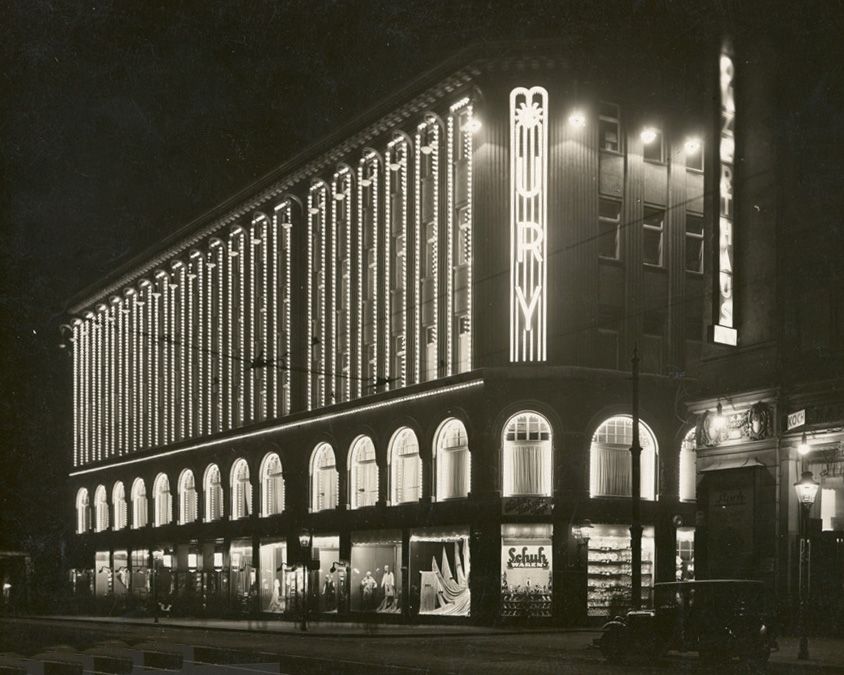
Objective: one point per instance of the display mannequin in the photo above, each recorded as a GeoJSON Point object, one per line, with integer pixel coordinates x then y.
{"type": "Point", "coordinates": [388, 583]}
{"type": "Point", "coordinates": [367, 587]}
{"type": "Point", "coordinates": [275, 600]}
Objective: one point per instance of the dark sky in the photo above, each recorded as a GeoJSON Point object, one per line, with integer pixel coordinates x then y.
{"type": "Point", "coordinates": [122, 121]}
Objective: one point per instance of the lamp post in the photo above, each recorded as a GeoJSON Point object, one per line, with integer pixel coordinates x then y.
{"type": "Point", "coordinates": [806, 489]}
{"type": "Point", "coordinates": [306, 540]}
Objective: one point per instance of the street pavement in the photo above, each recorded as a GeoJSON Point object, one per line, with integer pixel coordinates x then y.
{"type": "Point", "coordinates": [216, 646]}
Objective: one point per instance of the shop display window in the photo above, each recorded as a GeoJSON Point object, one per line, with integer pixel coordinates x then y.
{"type": "Point", "coordinates": [139, 566]}
{"type": "Point", "coordinates": [688, 468]}
{"type": "Point", "coordinates": [609, 569]}
{"type": "Point", "coordinates": [829, 501]}
{"type": "Point", "coordinates": [102, 565]}
{"type": "Point", "coordinates": [243, 577]}
{"type": "Point", "coordinates": [439, 572]}
{"type": "Point", "coordinates": [376, 583]}
{"type": "Point", "coordinates": [188, 578]}
{"type": "Point", "coordinates": [274, 588]}
{"type": "Point", "coordinates": [215, 577]}
{"type": "Point", "coordinates": [327, 586]}
{"type": "Point", "coordinates": [609, 458]}
{"type": "Point", "coordinates": [526, 570]}
{"type": "Point", "coordinates": [453, 461]}
{"type": "Point", "coordinates": [81, 582]}
{"type": "Point", "coordinates": [164, 571]}
{"type": "Point", "coordinates": [527, 465]}
{"type": "Point", "coordinates": [120, 565]}
{"type": "Point", "coordinates": [685, 558]}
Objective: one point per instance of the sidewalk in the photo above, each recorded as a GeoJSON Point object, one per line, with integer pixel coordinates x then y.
{"type": "Point", "coordinates": [825, 654]}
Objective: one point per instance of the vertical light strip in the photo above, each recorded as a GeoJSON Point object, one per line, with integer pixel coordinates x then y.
{"type": "Point", "coordinates": [723, 329]}
{"type": "Point", "coordinates": [242, 401]}
{"type": "Point", "coordinates": [209, 352]}
{"type": "Point", "coordinates": [419, 339]}
{"type": "Point", "coordinates": [174, 338]}
{"type": "Point", "coordinates": [122, 385]}
{"type": "Point", "coordinates": [98, 382]}
{"type": "Point", "coordinates": [310, 313]}
{"type": "Point", "coordinates": [434, 131]}
{"type": "Point", "coordinates": [449, 224]}
{"type": "Point", "coordinates": [164, 356]}
{"type": "Point", "coordinates": [250, 315]}
{"type": "Point", "coordinates": [528, 226]}
{"type": "Point", "coordinates": [348, 181]}
{"type": "Point", "coordinates": [76, 349]}
{"type": "Point", "coordinates": [269, 366]}
{"type": "Point", "coordinates": [333, 280]}
{"type": "Point", "coordinates": [184, 344]}
{"type": "Point", "coordinates": [362, 183]}
{"type": "Point", "coordinates": [272, 308]}
{"type": "Point", "coordinates": [287, 346]}
{"type": "Point", "coordinates": [156, 363]}
{"type": "Point", "coordinates": [141, 304]}
{"type": "Point", "coordinates": [323, 281]}
{"type": "Point", "coordinates": [317, 220]}
{"type": "Point", "coordinates": [229, 348]}
{"type": "Point", "coordinates": [388, 255]}
{"type": "Point", "coordinates": [136, 385]}
{"type": "Point", "coordinates": [219, 347]}
{"type": "Point", "coordinates": [201, 349]}
{"type": "Point", "coordinates": [105, 393]}
{"type": "Point", "coordinates": [191, 340]}
{"type": "Point", "coordinates": [85, 378]}
{"type": "Point", "coordinates": [114, 409]}
{"type": "Point", "coordinates": [469, 242]}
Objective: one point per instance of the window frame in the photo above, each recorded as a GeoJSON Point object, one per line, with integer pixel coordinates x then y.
{"type": "Point", "coordinates": [646, 227]}
{"type": "Point", "coordinates": [616, 221]}
{"type": "Point", "coordinates": [611, 120]}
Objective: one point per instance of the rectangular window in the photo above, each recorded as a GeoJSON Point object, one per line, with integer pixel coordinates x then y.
{"type": "Point", "coordinates": [652, 224]}
{"type": "Point", "coordinates": [609, 222]}
{"type": "Point", "coordinates": [694, 243]}
{"type": "Point", "coordinates": [694, 155]}
{"type": "Point", "coordinates": [654, 149]}
{"type": "Point", "coordinates": [609, 127]}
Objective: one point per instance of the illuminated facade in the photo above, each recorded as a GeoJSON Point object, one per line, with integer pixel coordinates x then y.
{"type": "Point", "coordinates": [415, 344]}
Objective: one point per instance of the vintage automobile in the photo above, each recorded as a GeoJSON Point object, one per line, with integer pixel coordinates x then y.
{"type": "Point", "coordinates": [720, 619]}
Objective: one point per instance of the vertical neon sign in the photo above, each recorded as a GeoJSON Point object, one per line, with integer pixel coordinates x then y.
{"type": "Point", "coordinates": [528, 222]}
{"type": "Point", "coordinates": [723, 331]}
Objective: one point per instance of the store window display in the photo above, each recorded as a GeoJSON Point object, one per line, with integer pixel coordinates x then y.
{"type": "Point", "coordinates": [526, 570]}
{"type": "Point", "coordinates": [274, 570]}
{"type": "Point", "coordinates": [189, 582]}
{"type": "Point", "coordinates": [327, 586]}
{"type": "Point", "coordinates": [102, 565]}
{"type": "Point", "coordinates": [120, 565]}
{"type": "Point", "coordinates": [363, 473]}
{"type": "Point", "coordinates": [439, 572]}
{"type": "Point", "coordinates": [405, 467]}
{"type": "Point", "coordinates": [453, 460]}
{"type": "Point", "coordinates": [610, 575]}
{"type": "Point", "coordinates": [215, 577]}
{"type": "Point", "coordinates": [376, 572]}
{"type": "Point", "coordinates": [688, 468]}
{"type": "Point", "coordinates": [243, 578]}
{"type": "Point", "coordinates": [527, 466]}
{"type": "Point", "coordinates": [139, 565]}
{"type": "Point", "coordinates": [609, 457]}
{"type": "Point", "coordinates": [685, 558]}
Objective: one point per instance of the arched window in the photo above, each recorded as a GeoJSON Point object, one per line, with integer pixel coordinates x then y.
{"type": "Point", "coordinates": [688, 468]}
{"type": "Point", "coordinates": [609, 457]}
{"type": "Point", "coordinates": [187, 498]}
{"type": "Point", "coordinates": [527, 463]}
{"type": "Point", "coordinates": [118, 502]}
{"type": "Point", "coordinates": [163, 500]}
{"type": "Point", "coordinates": [140, 513]}
{"type": "Point", "coordinates": [100, 509]}
{"type": "Point", "coordinates": [213, 489]}
{"type": "Point", "coordinates": [405, 467]}
{"type": "Point", "coordinates": [453, 461]}
{"type": "Point", "coordinates": [272, 485]}
{"type": "Point", "coordinates": [83, 511]}
{"type": "Point", "coordinates": [363, 473]}
{"type": "Point", "coordinates": [241, 490]}
{"type": "Point", "coordinates": [324, 479]}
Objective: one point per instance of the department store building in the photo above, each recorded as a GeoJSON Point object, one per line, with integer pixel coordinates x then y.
{"type": "Point", "coordinates": [412, 343]}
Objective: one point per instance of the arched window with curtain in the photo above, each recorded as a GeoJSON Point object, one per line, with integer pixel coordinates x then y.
{"type": "Point", "coordinates": [272, 485]}
{"type": "Point", "coordinates": [325, 486]}
{"type": "Point", "coordinates": [163, 500]}
{"type": "Point", "coordinates": [527, 462]}
{"type": "Point", "coordinates": [688, 467]}
{"type": "Point", "coordinates": [100, 509]}
{"type": "Point", "coordinates": [363, 473]}
{"type": "Point", "coordinates": [453, 461]}
{"type": "Point", "coordinates": [609, 459]}
{"type": "Point", "coordinates": [118, 502]}
{"type": "Point", "coordinates": [83, 511]}
{"type": "Point", "coordinates": [405, 467]}
{"type": "Point", "coordinates": [188, 505]}
{"type": "Point", "coordinates": [140, 511]}
{"type": "Point", "coordinates": [241, 488]}
{"type": "Point", "coordinates": [212, 487]}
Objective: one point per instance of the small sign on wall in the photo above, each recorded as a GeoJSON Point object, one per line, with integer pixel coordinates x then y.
{"type": "Point", "coordinates": [796, 419]}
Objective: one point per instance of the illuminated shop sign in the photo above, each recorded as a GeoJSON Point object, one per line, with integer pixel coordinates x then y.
{"type": "Point", "coordinates": [527, 556]}
{"type": "Point", "coordinates": [528, 222]}
{"type": "Point", "coordinates": [724, 329]}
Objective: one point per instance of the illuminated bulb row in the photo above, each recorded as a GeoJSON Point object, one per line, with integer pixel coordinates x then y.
{"type": "Point", "coordinates": [218, 347]}
{"type": "Point", "coordinates": [335, 279]}
{"type": "Point", "coordinates": [274, 306]}
{"type": "Point", "coordinates": [471, 123]}
{"type": "Point", "coordinates": [201, 347]}
{"type": "Point", "coordinates": [76, 415]}
{"type": "Point", "coordinates": [189, 333]}
{"type": "Point", "coordinates": [310, 313]}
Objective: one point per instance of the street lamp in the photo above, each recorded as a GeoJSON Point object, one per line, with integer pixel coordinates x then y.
{"type": "Point", "coordinates": [806, 489]}
{"type": "Point", "coordinates": [306, 540]}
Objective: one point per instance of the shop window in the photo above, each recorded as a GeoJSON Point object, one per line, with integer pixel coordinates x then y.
{"type": "Point", "coordinates": [139, 580]}
{"type": "Point", "coordinates": [609, 224]}
{"type": "Point", "coordinates": [272, 485]}
{"type": "Point", "coordinates": [242, 575]}
{"type": "Point", "coordinates": [439, 572]}
{"type": "Point", "coordinates": [241, 489]}
{"type": "Point", "coordinates": [100, 509]}
{"type": "Point", "coordinates": [526, 455]}
{"type": "Point", "coordinates": [652, 230]}
{"type": "Point", "coordinates": [162, 500]}
{"type": "Point", "coordinates": [453, 460]}
{"type": "Point", "coordinates": [276, 586]}
{"type": "Point", "coordinates": [83, 511]}
{"type": "Point", "coordinates": [609, 571]}
{"type": "Point", "coordinates": [327, 585]}
{"type": "Point", "coordinates": [654, 151]}
{"type": "Point", "coordinates": [102, 577]}
{"type": "Point", "coordinates": [120, 576]}
{"type": "Point", "coordinates": [688, 468]}
{"type": "Point", "coordinates": [685, 554]}
{"type": "Point", "coordinates": [140, 510]}
{"type": "Point", "coordinates": [188, 506]}
{"type": "Point", "coordinates": [118, 501]}
{"type": "Point", "coordinates": [694, 243]}
{"type": "Point", "coordinates": [324, 479]}
{"type": "Point", "coordinates": [609, 474]}
{"type": "Point", "coordinates": [213, 488]}
{"type": "Point", "coordinates": [526, 570]}
{"type": "Point", "coordinates": [363, 473]}
{"type": "Point", "coordinates": [375, 575]}
{"type": "Point", "coordinates": [609, 127]}
{"type": "Point", "coordinates": [829, 502]}
{"type": "Point", "coordinates": [405, 467]}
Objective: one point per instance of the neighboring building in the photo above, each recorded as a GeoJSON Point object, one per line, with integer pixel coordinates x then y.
{"type": "Point", "coordinates": [414, 342]}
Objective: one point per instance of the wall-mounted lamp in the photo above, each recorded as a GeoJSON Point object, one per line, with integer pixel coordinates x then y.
{"type": "Point", "coordinates": [648, 135]}
{"type": "Point", "coordinates": [473, 126]}
{"type": "Point", "coordinates": [804, 448]}
{"type": "Point", "coordinates": [577, 119]}
{"type": "Point", "coordinates": [719, 422]}
{"type": "Point", "coordinates": [692, 145]}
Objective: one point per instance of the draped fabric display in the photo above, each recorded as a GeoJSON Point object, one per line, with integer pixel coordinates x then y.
{"type": "Point", "coordinates": [139, 584]}
{"type": "Point", "coordinates": [440, 569]}
{"type": "Point", "coordinates": [453, 597]}
{"type": "Point", "coordinates": [273, 561]}
{"type": "Point", "coordinates": [610, 463]}
{"type": "Point", "coordinates": [120, 564]}
{"type": "Point", "coordinates": [102, 579]}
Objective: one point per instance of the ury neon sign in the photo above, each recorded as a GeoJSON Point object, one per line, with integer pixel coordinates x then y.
{"type": "Point", "coordinates": [723, 330]}
{"type": "Point", "coordinates": [528, 222]}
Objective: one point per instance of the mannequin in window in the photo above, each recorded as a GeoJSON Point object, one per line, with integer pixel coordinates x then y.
{"type": "Point", "coordinates": [388, 584]}
{"type": "Point", "coordinates": [367, 587]}
{"type": "Point", "coordinates": [329, 594]}
{"type": "Point", "coordinates": [275, 600]}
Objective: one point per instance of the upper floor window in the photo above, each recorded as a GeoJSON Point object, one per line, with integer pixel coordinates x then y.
{"type": "Point", "coordinates": [118, 501]}
{"type": "Point", "coordinates": [363, 473]}
{"type": "Point", "coordinates": [140, 511]}
{"type": "Point", "coordinates": [653, 226]}
{"type": "Point", "coordinates": [83, 511]}
{"type": "Point", "coordinates": [325, 485]}
{"type": "Point", "coordinates": [163, 501]}
{"type": "Point", "coordinates": [694, 243]}
{"type": "Point", "coordinates": [272, 485]}
{"type": "Point", "coordinates": [405, 467]}
{"type": "Point", "coordinates": [609, 458]}
{"type": "Point", "coordinates": [653, 145]}
{"type": "Point", "coordinates": [241, 488]}
{"type": "Point", "coordinates": [688, 468]}
{"type": "Point", "coordinates": [609, 127]}
{"type": "Point", "coordinates": [609, 224]}
{"type": "Point", "coordinates": [100, 509]}
{"type": "Point", "coordinates": [187, 498]}
{"type": "Point", "coordinates": [212, 486]}
{"type": "Point", "coordinates": [527, 463]}
{"type": "Point", "coordinates": [694, 154]}
{"type": "Point", "coordinates": [453, 461]}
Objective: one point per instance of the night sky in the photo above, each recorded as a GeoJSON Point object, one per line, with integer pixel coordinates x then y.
{"type": "Point", "coordinates": [123, 121]}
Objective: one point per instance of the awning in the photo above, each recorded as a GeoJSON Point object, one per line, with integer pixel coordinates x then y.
{"type": "Point", "coordinates": [747, 463]}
